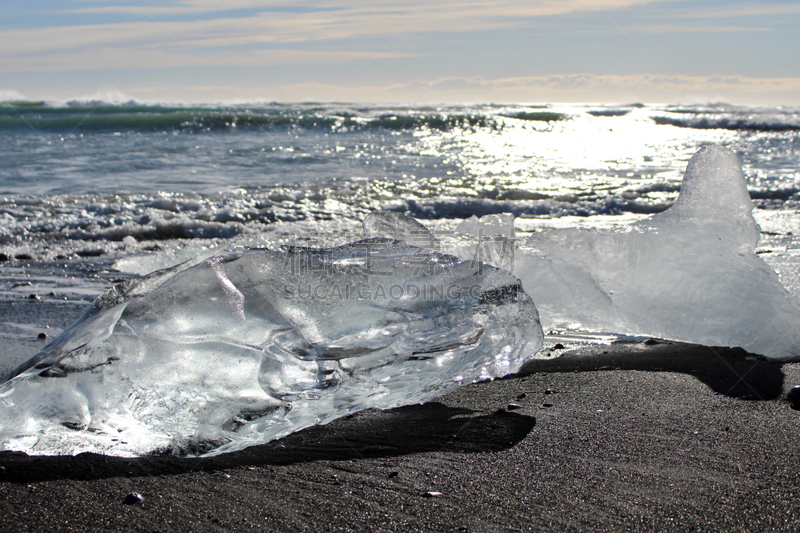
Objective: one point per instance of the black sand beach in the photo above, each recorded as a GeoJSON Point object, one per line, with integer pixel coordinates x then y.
{"type": "Point", "coordinates": [633, 436]}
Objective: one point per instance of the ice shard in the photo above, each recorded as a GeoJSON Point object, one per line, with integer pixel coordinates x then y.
{"type": "Point", "coordinates": [230, 350]}
{"type": "Point", "coordinates": [689, 273]}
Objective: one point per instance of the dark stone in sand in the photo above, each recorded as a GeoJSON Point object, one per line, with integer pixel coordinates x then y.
{"type": "Point", "coordinates": [4, 257]}
{"type": "Point", "coordinates": [521, 396]}
{"type": "Point", "coordinates": [42, 335]}
{"type": "Point", "coordinates": [23, 257]}
{"type": "Point", "coordinates": [513, 407]}
{"type": "Point", "coordinates": [558, 346]}
{"type": "Point", "coordinates": [33, 297]}
{"type": "Point", "coordinates": [794, 398]}
{"type": "Point", "coordinates": [394, 474]}
{"type": "Point", "coordinates": [133, 498]}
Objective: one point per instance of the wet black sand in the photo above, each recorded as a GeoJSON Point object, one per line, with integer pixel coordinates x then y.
{"type": "Point", "coordinates": [659, 437]}
{"type": "Point", "coordinates": [633, 436]}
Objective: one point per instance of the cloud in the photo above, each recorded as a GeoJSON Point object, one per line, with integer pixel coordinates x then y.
{"type": "Point", "coordinates": [245, 35]}
{"type": "Point", "coordinates": [677, 28]}
{"type": "Point", "coordinates": [594, 82]}
{"type": "Point", "coordinates": [569, 88]}
{"type": "Point", "coordinates": [750, 10]}
{"type": "Point", "coordinates": [170, 56]}
{"type": "Point", "coordinates": [237, 25]}
{"type": "Point", "coordinates": [554, 89]}
{"type": "Point", "coordinates": [10, 96]}
{"type": "Point", "coordinates": [386, 7]}
{"type": "Point", "coordinates": [273, 23]}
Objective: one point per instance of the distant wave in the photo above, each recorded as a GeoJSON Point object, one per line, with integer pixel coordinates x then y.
{"type": "Point", "coordinates": [608, 112]}
{"type": "Point", "coordinates": [98, 116]}
{"type": "Point", "coordinates": [541, 116]}
{"type": "Point", "coordinates": [134, 116]}
{"type": "Point", "coordinates": [740, 121]}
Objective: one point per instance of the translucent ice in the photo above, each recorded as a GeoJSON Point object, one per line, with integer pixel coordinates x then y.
{"type": "Point", "coordinates": [489, 239]}
{"type": "Point", "coordinates": [689, 273]}
{"type": "Point", "coordinates": [230, 350]}
{"type": "Point", "coordinates": [392, 225]}
{"type": "Point", "coordinates": [489, 225]}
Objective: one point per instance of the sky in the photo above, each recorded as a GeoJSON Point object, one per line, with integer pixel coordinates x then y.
{"type": "Point", "coordinates": [416, 51]}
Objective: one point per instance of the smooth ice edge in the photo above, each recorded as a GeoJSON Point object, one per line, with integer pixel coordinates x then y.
{"type": "Point", "coordinates": [687, 274]}
{"type": "Point", "coordinates": [235, 349]}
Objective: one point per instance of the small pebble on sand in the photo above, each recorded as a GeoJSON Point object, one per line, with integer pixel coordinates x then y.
{"type": "Point", "coordinates": [133, 498]}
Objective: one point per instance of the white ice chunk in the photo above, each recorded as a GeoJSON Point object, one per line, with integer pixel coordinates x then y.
{"type": "Point", "coordinates": [488, 225]}
{"type": "Point", "coordinates": [230, 350]}
{"type": "Point", "coordinates": [489, 239]}
{"type": "Point", "coordinates": [398, 226]}
{"type": "Point", "coordinates": [689, 273]}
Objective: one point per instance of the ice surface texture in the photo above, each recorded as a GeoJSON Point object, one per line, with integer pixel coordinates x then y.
{"type": "Point", "coordinates": [689, 273]}
{"type": "Point", "coordinates": [230, 350]}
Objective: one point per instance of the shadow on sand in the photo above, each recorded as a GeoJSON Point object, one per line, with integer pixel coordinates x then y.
{"type": "Point", "coordinates": [429, 427]}
{"type": "Point", "coordinates": [413, 429]}
{"type": "Point", "coordinates": [729, 371]}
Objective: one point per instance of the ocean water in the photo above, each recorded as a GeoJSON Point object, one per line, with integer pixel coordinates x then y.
{"type": "Point", "coordinates": [144, 186]}
{"type": "Point", "coordinates": [86, 176]}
